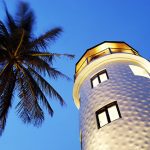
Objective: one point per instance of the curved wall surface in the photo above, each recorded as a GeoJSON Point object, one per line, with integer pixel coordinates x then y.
{"type": "Point", "coordinates": [132, 93]}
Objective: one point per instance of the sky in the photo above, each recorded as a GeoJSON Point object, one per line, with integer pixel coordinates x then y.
{"type": "Point", "coordinates": [85, 23]}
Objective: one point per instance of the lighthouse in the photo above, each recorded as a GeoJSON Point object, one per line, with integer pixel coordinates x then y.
{"type": "Point", "coordinates": [112, 92]}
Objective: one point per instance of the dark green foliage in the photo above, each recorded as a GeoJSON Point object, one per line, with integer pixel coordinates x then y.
{"type": "Point", "coordinates": [23, 61]}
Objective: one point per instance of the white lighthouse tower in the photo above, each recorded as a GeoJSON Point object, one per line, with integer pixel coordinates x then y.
{"type": "Point", "coordinates": [112, 93]}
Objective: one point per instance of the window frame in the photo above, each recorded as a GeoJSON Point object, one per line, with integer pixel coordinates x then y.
{"type": "Point", "coordinates": [98, 76]}
{"type": "Point", "coordinates": [105, 109]}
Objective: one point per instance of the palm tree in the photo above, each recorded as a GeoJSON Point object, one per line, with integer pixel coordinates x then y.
{"type": "Point", "coordinates": [24, 60]}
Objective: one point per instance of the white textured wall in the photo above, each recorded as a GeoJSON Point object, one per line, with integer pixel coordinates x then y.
{"type": "Point", "coordinates": [132, 131]}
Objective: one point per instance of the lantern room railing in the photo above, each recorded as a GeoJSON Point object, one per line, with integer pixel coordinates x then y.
{"type": "Point", "coordinates": [101, 50]}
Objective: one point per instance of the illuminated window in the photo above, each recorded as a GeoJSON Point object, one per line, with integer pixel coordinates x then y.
{"type": "Point", "coordinates": [138, 71]}
{"type": "Point", "coordinates": [107, 114]}
{"type": "Point", "coordinates": [102, 117]}
{"type": "Point", "coordinates": [98, 78]}
{"type": "Point", "coordinates": [113, 113]}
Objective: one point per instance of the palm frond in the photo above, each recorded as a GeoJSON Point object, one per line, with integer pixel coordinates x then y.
{"type": "Point", "coordinates": [43, 67]}
{"type": "Point", "coordinates": [39, 93]}
{"type": "Point", "coordinates": [47, 54]}
{"type": "Point", "coordinates": [25, 17]}
{"type": "Point", "coordinates": [6, 99]}
{"type": "Point", "coordinates": [45, 39]}
{"type": "Point", "coordinates": [10, 21]}
{"type": "Point", "coordinates": [20, 42]}
{"type": "Point", "coordinates": [25, 105]}
{"type": "Point", "coordinates": [47, 57]}
{"type": "Point", "coordinates": [3, 74]}
{"type": "Point", "coordinates": [46, 87]}
{"type": "Point", "coordinates": [34, 113]}
{"type": "Point", "coordinates": [4, 37]}
{"type": "Point", "coordinates": [3, 30]}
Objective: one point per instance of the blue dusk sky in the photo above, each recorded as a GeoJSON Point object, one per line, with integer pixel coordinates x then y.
{"type": "Point", "coordinates": [85, 23]}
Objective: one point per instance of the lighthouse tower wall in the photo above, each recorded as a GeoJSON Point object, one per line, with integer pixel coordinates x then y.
{"type": "Point", "coordinates": [132, 94]}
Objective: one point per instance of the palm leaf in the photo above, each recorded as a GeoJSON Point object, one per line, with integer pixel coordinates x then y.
{"type": "Point", "coordinates": [39, 92]}
{"type": "Point", "coordinates": [3, 74]}
{"type": "Point", "coordinates": [10, 21]}
{"type": "Point", "coordinates": [47, 54]}
{"type": "Point", "coordinates": [25, 17]}
{"type": "Point", "coordinates": [6, 99]}
{"type": "Point", "coordinates": [46, 87]}
{"type": "Point", "coordinates": [31, 113]}
{"type": "Point", "coordinates": [4, 38]}
{"type": "Point", "coordinates": [43, 67]}
{"type": "Point", "coordinates": [45, 39]}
